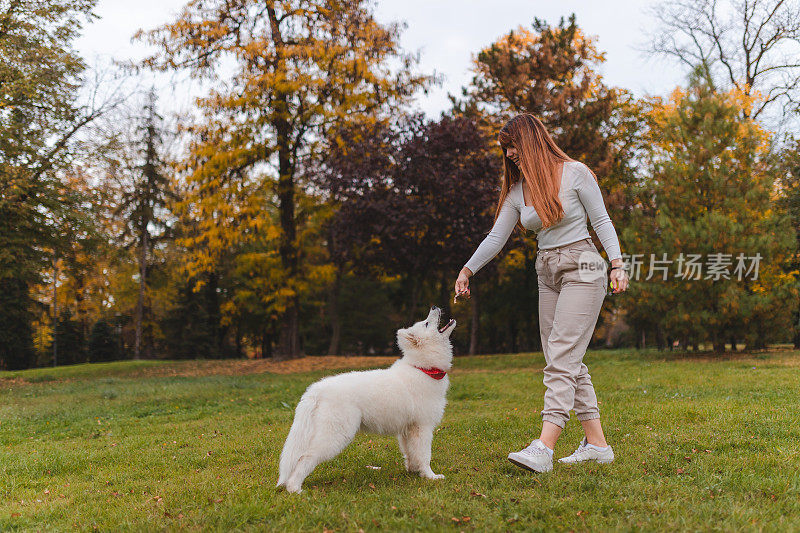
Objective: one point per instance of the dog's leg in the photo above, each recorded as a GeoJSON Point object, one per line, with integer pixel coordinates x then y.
{"type": "Point", "coordinates": [302, 469]}
{"type": "Point", "coordinates": [401, 441]}
{"type": "Point", "coordinates": [419, 451]}
{"type": "Point", "coordinates": [325, 444]}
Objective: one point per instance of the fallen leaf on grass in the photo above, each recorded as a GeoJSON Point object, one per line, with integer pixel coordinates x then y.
{"type": "Point", "coordinates": [16, 515]}
{"type": "Point", "coordinates": [680, 471]}
{"type": "Point", "coordinates": [473, 493]}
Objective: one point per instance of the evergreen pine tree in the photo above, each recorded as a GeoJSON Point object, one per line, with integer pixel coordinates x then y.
{"type": "Point", "coordinates": [71, 342]}
{"type": "Point", "coordinates": [144, 204]}
{"type": "Point", "coordinates": [711, 193]}
{"type": "Point", "coordinates": [39, 77]}
{"type": "Point", "coordinates": [103, 343]}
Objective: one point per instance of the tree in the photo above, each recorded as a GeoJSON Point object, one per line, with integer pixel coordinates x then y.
{"type": "Point", "coordinates": [71, 341]}
{"type": "Point", "coordinates": [103, 343]}
{"type": "Point", "coordinates": [711, 193]}
{"type": "Point", "coordinates": [789, 202]}
{"type": "Point", "coordinates": [552, 72]}
{"type": "Point", "coordinates": [415, 201]}
{"type": "Point", "coordinates": [360, 157]}
{"type": "Point", "coordinates": [144, 203]}
{"type": "Point", "coordinates": [748, 45]}
{"type": "Point", "coordinates": [299, 68]}
{"type": "Point", "coordinates": [192, 326]}
{"type": "Point", "coordinates": [39, 75]}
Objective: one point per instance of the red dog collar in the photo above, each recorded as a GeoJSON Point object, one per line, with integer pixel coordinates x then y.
{"type": "Point", "coordinates": [435, 373]}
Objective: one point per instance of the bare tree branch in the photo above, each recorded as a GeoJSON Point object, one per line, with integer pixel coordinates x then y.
{"type": "Point", "coordinates": [751, 45]}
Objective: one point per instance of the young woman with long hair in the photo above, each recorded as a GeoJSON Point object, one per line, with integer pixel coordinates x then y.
{"type": "Point", "coordinates": [546, 191]}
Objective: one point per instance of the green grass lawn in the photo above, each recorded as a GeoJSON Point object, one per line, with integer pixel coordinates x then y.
{"type": "Point", "coordinates": [701, 444]}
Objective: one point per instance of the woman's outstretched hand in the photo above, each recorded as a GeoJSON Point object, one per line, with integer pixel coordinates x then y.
{"type": "Point", "coordinates": [618, 277]}
{"type": "Point", "coordinates": [462, 283]}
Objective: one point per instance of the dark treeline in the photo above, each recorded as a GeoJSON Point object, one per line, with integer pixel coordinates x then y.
{"type": "Point", "coordinates": [307, 208]}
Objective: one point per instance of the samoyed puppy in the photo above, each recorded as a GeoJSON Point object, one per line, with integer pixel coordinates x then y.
{"type": "Point", "coordinates": [407, 399]}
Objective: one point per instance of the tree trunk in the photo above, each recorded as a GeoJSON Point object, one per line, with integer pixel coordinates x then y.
{"type": "Point", "coordinates": [289, 338]}
{"type": "Point", "coordinates": [266, 344]}
{"type": "Point", "coordinates": [475, 320]}
{"type": "Point", "coordinates": [137, 343]}
{"type": "Point", "coordinates": [759, 343]}
{"type": "Point", "coordinates": [238, 340]}
{"type": "Point", "coordinates": [333, 314]}
{"type": "Point", "coordinates": [717, 344]}
{"type": "Point", "coordinates": [659, 339]}
{"type": "Point", "coordinates": [80, 308]}
{"type": "Point", "coordinates": [513, 332]}
{"type": "Point", "coordinates": [55, 309]}
{"type": "Point", "coordinates": [215, 315]}
{"type": "Point", "coordinates": [796, 338]}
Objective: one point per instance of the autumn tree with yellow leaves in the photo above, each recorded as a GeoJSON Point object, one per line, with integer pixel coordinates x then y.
{"type": "Point", "coordinates": [282, 72]}
{"type": "Point", "coordinates": [710, 192]}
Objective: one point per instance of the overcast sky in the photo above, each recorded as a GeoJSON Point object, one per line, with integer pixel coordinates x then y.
{"type": "Point", "coordinates": [446, 32]}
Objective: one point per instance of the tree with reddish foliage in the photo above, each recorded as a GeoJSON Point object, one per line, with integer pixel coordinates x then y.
{"type": "Point", "coordinates": [553, 73]}
{"type": "Point", "coordinates": [414, 201]}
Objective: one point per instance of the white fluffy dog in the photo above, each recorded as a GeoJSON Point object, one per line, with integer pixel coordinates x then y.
{"type": "Point", "coordinates": [407, 399]}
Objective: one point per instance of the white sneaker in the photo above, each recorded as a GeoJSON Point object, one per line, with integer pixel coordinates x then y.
{"type": "Point", "coordinates": [535, 457]}
{"type": "Point", "coordinates": [588, 452]}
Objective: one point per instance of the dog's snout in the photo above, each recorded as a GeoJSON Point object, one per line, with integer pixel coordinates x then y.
{"type": "Point", "coordinates": [434, 308]}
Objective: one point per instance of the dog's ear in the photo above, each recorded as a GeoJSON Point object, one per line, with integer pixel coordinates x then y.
{"type": "Point", "coordinates": [409, 336]}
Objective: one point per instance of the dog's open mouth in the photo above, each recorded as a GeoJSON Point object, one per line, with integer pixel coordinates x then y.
{"type": "Point", "coordinates": [449, 323]}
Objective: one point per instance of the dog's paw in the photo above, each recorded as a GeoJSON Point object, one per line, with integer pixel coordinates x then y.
{"type": "Point", "coordinates": [431, 475]}
{"type": "Point", "coordinates": [294, 489]}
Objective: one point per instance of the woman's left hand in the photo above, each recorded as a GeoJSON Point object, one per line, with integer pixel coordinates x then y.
{"type": "Point", "coordinates": [619, 279]}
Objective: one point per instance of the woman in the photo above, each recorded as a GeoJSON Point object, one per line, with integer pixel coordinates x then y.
{"type": "Point", "coordinates": [545, 191]}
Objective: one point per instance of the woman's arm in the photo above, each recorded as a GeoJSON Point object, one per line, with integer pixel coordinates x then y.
{"type": "Point", "coordinates": [497, 237]}
{"type": "Point", "coordinates": [592, 199]}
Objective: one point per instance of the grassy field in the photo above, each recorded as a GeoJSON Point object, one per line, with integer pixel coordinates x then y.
{"type": "Point", "coordinates": [701, 444]}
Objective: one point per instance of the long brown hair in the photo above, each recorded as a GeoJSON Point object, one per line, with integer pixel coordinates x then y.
{"type": "Point", "coordinates": [539, 157]}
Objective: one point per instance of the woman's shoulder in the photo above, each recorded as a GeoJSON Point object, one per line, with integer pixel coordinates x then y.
{"type": "Point", "coordinates": [579, 171]}
{"type": "Point", "coordinates": [577, 166]}
{"type": "Point", "coordinates": [514, 193]}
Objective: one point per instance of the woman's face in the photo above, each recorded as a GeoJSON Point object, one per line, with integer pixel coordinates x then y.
{"type": "Point", "coordinates": [513, 155]}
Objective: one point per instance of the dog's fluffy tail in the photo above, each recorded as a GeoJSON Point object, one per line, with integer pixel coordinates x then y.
{"type": "Point", "coordinates": [299, 436]}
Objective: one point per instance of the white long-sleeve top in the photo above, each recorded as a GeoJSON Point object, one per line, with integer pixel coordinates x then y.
{"type": "Point", "coordinates": [580, 197]}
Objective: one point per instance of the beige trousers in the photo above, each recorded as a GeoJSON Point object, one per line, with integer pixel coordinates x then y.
{"type": "Point", "coordinates": [570, 299]}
